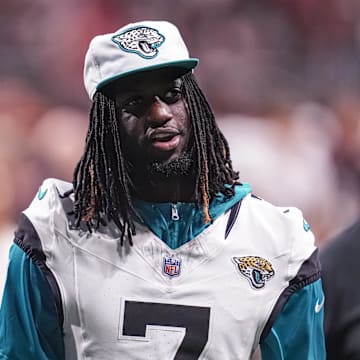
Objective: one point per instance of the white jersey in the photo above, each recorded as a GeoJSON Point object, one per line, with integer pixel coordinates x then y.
{"type": "Point", "coordinates": [209, 299]}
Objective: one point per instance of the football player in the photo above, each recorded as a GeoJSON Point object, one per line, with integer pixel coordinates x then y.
{"type": "Point", "coordinates": [156, 250]}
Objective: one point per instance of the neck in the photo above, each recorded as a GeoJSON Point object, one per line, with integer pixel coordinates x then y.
{"type": "Point", "coordinates": [179, 189]}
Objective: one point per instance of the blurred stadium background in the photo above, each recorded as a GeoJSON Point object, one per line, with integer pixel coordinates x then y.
{"type": "Point", "coordinates": [283, 78]}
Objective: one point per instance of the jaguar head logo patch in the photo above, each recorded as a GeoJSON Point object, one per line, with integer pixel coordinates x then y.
{"type": "Point", "coordinates": [255, 268]}
{"type": "Point", "coordinates": [143, 41]}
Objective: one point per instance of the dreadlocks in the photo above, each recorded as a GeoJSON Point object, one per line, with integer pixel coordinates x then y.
{"type": "Point", "coordinates": [100, 179]}
{"type": "Point", "coordinates": [102, 182]}
{"type": "Point", "coordinates": [214, 167]}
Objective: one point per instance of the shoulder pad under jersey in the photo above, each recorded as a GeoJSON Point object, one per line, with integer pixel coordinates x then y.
{"type": "Point", "coordinates": [47, 205]}
{"type": "Point", "coordinates": [290, 232]}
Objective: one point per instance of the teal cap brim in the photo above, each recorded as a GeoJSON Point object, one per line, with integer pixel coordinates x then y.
{"type": "Point", "coordinates": [181, 66]}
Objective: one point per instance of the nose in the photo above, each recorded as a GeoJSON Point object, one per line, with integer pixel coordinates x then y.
{"type": "Point", "coordinates": [159, 112]}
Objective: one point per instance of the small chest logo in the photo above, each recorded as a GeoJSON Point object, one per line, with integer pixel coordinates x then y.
{"type": "Point", "coordinates": [41, 193]}
{"type": "Point", "coordinates": [255, 268]}
{"type": "Point", "coordinates": [171, 266]}
{"type": "Point", "coordinates": [306, 225]}
{"type": "Point", "coordinates": [143, 41]}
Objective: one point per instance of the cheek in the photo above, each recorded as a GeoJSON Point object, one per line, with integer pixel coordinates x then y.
{"type": "Point", "coordinates": [131, 131]}
{"type": "Point", "coordinates": [182, 114]}
{"type": "Point", "coordinates": [129, 124]}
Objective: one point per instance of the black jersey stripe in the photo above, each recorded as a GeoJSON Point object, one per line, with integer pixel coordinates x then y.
{"type": "Point", "coordinates": [232, 217]}
{"type": "Point", "coordinates": [27, 238]}
{"type": "Point", "coordinates": [309, 272]}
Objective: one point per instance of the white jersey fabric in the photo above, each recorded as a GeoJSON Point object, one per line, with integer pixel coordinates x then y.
{"type": "Point", "coordinates": [209, 299]}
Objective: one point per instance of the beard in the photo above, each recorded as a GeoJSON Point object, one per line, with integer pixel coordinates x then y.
{"type": "Point", "coordinates": [152, 174]}
{"type": "Point", "coordinates": [181, 166]}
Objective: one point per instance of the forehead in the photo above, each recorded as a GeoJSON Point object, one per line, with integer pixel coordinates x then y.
{"type": "Point", "coordinates": [144, 82]}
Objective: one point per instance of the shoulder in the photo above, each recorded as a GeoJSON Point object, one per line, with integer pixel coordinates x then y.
{"type": "Point", "coordinates": [49, 192]}
{"type": "Point", "coordinates": [48, 203]}
{"type": "Point", "coordinates": [52, 185]}
{"type": "Point", "coordinates": [280, 218]}
{"type": "Point", "coordinates": [281, 231]}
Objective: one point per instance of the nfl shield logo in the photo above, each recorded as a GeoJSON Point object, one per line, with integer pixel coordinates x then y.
{"type": "Point", "coordinates": [171, 266]}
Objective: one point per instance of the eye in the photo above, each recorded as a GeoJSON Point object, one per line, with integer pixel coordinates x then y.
{"type": "Point", "coordinates": [132, 103]}
{"type": "Point", "coordinates": [172, 95]}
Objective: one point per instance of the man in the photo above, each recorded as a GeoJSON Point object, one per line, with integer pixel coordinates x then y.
{"type": "Point", "coordinates": [156, 251]}
{"type": "Point", "coordinates": [340, 263]}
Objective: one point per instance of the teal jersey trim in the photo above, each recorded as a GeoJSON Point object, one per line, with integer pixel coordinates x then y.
{"type": "Point", "coordinates": [298, 332]}
{"type": "Point", "coordinates": [158, 217]}
{"type": "Point", "coordinates": [29, 324]}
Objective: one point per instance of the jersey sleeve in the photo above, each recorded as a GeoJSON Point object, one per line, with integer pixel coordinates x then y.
{"type": "Point", "coordinates": [31, 309]}
{"type": "Point", "coordinates": [29, 321]}
{"type": "Point", "coordinates": [295, 327]}
{"type": "Point", "coordinates": [297, 333]}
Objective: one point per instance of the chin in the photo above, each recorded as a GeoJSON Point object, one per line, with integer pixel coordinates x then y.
{"type": "Point", "coordinates": [173, 166]}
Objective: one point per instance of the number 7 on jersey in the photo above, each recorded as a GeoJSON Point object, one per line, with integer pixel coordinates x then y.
{"type": "Point", "coordinates": [182, 329]}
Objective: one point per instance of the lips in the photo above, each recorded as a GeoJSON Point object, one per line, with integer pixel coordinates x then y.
{"type": "Point", "coordinates": [164, 139]}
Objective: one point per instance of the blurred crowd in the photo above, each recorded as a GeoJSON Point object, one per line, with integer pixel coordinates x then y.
{"type": "Point", "coordinates": [283, 78]}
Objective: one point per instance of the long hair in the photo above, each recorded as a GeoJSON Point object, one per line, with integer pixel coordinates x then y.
{"type": "Point", "coordinates": [101, 180]}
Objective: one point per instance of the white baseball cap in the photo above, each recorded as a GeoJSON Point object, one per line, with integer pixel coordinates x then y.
{"type": "Point", "coordinates": [137, 47]}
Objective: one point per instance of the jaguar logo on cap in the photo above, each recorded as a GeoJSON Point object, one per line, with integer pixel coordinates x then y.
{"type": "Point", "coordinates": [143, 41]}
